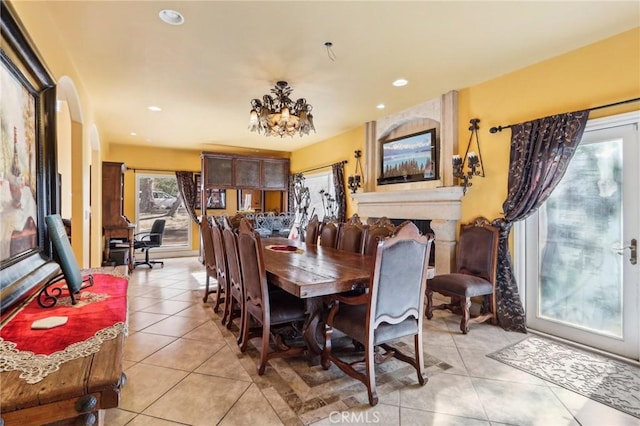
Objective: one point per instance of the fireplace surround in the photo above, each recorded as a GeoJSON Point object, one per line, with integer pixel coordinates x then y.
{"type": "Point", "coordinates": [439, 200]}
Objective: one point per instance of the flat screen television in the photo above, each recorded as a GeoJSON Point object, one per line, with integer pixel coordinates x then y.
{"type": "Point", "coordinates": [409, 158]}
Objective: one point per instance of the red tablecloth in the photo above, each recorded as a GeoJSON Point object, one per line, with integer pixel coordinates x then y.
{"type": "Point", "coordinates": [100, 314]}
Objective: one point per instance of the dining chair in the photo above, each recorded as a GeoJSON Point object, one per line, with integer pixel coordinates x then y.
{"type": "Point", "coordinates": [392, 308]}
{"type": "Point", "coordinates": [328, 234]}
{"type": "Point", "coordinates": [221, 268]}
{"type": "Point", "coordinates": [350, 236]}
{"type": "Point", "coordinates": [475, 274]}
{"type": "Point", "coordinates": [208, 256]}
{"type": "Point", "coordinates": [279, 313]}
{"type": "Point", "coordinates": [233, 309]}
{"type": "Point", "coordinates": [311, 233]}
{"type": "Point", "coordinates": [374, 233]}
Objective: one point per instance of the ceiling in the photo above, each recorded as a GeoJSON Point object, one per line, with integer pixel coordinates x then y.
{"type": "Point", "coordinates": [204, 73]}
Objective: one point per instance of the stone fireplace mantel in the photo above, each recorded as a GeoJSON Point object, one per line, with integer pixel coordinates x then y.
{"type": "Point", "coordinates": [442, 206]}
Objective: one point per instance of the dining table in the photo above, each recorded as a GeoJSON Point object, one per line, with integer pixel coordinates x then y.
{"type": "Point", "coordinates": [312, 272]}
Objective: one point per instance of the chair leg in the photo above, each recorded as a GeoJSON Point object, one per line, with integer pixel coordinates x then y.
{"type": "Point", "coordinates": [371, 375]}
{"type": "Point", "coordinates": [326, 351]}
{"type": "Point", "coordinates": [417, 342]}
{"type": "Point", "coordinates": [429, 311]}
{"type": "Point", "coordinates": [265, 348]}
{"type": "Point", "coordinates": [206, 289]}
{"type": "Point", "coordinates": [465, 305]}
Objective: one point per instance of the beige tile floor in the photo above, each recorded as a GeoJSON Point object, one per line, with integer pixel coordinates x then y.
{"type": "Point", "coordinates": [182, 371]}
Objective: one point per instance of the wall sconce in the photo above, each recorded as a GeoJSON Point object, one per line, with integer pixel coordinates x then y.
{"type": "Point", "coordinates": [355, 181]}
{"type": "Point", "coordinates": [473, 161]}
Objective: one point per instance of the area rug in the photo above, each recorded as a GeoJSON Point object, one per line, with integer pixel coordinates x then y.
{"type": "Point", "coordinates": [606, 380]}
{"type": "Point", "coordinates": [301, 393]}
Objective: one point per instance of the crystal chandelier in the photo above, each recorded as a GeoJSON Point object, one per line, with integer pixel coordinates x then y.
{"type": "Point", "coordinates": [278, 115]}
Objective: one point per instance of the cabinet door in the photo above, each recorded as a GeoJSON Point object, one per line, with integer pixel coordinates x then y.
{"type": "Point", "coordinates": [275, 174]}
{"type": "Point", "coordinates": [218, 172]}
{"type": "Point", "coordinates": [247, 172]}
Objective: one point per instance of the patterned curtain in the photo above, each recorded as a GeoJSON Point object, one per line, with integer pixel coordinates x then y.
{"type": "Point", "coordinates": [540, 153]}
{"type": "Point", "coordinates": [341, 197]}
{"type": "Point", "coordinates": [290, 195]}
{"type": "Point", "coordinates": [188, 192]}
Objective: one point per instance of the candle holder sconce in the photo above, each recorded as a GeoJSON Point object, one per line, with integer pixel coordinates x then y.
{"type": "Point", "coordinates": [354, 182]}
{"type": "Point", "coordinates": [470, 159]}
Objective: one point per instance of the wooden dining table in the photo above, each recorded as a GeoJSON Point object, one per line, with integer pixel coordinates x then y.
{"type": "Point", "coordinates": [311, 272]}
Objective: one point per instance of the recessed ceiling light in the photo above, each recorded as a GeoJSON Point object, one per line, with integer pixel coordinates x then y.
{"type": "Point", "coordinates": [155, 108]}
{"type": "Point", "coordinates": [171, 17]}
{"type": "Point", "coordinates": [380, 106]}
{"type": "Point", "coordinates": [400, 82]}
{"type": "Point", "coordinates": [133, 134]}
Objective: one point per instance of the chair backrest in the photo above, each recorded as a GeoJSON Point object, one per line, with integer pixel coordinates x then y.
{"type": "Point", "coordinates": [156, 233]}
{"type": "Point", "coordinates": [328, 234]}
{"type": "Point", "coordinates": [220, 255]}
{"type": "Point", "coordinates": [207, 243]}
{"type": "Point", "coordinates": [253, 271]}
{"type": "Point", "coordinates": [66, 258]}
{"type": "Point", "coordinates": [234, 275]}
{"type": "Point", "coordinates": [373, 234]}
{"type": "Point", "coordinates": [477, 249]}
{"type": "Point", "coordinates": [399, 278]}
{"type": "Point", "coordinates": [311, 235]}
{"type": "Point", "coordinates": [350, 237]}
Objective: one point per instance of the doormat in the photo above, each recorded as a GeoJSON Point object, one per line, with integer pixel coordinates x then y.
{"type": "Point", "coordinates": [606, 380]}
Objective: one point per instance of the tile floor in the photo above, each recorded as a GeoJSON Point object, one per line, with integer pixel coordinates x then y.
{"type": "Point", "coordinates": [181, 370]}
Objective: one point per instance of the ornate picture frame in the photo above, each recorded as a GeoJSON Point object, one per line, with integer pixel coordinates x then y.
{"type": "Point", "coordinates": [28, 168]}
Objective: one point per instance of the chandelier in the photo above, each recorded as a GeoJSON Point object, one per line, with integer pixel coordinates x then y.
{"type": "Point", "coordinates": [278, 115]}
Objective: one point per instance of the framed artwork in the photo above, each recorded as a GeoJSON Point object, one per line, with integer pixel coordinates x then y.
{"type": "Point", "coordinates": [409, 158]}
{"type": "Point", "coordinates": [28, 171]}
{"type": "Point", "coordinates": [216, 198]}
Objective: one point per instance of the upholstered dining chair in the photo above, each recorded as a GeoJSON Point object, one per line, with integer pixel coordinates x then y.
{"type": "Point", "coordinates": [475, 274]}
{"type": "Point", "coordinates": [350, 235]}
{"type": "Point", "coordinates": [328, 235]}
{"type": "Point", "coordinates": [222, 295]}
{"type": "Point", "coordinates": [311, 234]}
{"type": "Point", "coordinates": [208, 256]}
{"type": "Point", "coordinates": [379, 230]}
{"type": "Point", "coordinates": [390, 310]}
{"type": "Point", "coordinates": [279, 313]}
{"type": "Point", "coordinates": [234, 281]}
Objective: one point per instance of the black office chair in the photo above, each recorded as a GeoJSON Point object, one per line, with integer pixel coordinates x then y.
{"type": "Point", "coordinates": [145, 241]}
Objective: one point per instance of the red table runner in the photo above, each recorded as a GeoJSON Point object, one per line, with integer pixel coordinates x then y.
{"type": "Point", "coordinates": [100, 314]}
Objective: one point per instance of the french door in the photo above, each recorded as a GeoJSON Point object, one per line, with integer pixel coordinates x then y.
{"type": "Point", "coordinates": [582, 275]}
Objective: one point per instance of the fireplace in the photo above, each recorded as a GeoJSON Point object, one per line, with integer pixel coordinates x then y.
{"type": "Point", "coordinates": [441, 206]}
{"type": "Point", "coordinates": [438, 201]}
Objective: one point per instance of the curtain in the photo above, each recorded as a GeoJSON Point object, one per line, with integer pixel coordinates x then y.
{"type": "Point", "coordinates": [291, 206]}
{"type": "Point", "coordinates": [188, 191]}
{"type": "Point", "coordinates": [540, 153]}
{"type": "Point", "coordinates": [341, 197]}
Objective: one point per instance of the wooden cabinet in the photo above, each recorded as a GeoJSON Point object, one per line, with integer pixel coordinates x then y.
{"type": "Point", "coordinates": [243, 172]}
{"type": "Point", "coordinates": [114, 223]}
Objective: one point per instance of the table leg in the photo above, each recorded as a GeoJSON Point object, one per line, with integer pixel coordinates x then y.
{"type": "Point", "coordinates": [312, 331]}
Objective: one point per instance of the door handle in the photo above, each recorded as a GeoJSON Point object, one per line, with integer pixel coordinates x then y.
{"type": "Point", "coordinates": [633, 247]}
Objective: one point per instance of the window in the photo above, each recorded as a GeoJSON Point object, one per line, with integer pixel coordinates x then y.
{"type": "Point", "coordinates": [158, 198]}
{"type": "Point", "coordinates": [321, 203]}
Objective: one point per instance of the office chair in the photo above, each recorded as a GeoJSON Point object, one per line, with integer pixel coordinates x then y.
{"type": "Point", "coordinates": [145, 241]}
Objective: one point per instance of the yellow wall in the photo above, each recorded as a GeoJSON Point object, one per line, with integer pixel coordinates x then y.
{"type": "Point", "coordinates": [598, 74]}
{"type": "Point", "coordinates": [339, 148]}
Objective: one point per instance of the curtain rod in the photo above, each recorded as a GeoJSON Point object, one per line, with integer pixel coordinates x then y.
{"type": "Point", "coordinates": [159, 170]}
{"type": "Point", "coordinates": [322, 167]}
{"type": "Point", "coordinates": [628, 101]}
